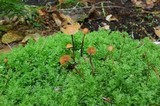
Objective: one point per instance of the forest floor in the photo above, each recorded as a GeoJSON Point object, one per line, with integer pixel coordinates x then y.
{"type": "Point", "coordinates": [139, 19]}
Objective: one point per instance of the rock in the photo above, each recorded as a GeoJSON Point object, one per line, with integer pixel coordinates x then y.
{"type": "Point", "coordinates": [11, 36]}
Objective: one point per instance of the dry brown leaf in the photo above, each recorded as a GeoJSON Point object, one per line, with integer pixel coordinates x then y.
{"type": "Point", "coordinates": [86, 2]}
{"type": "Point", "coordinates": [41, 12]}
{"type": "Point", "coordinates": [111, 18]}
{"type": "Point", "coordinates": [157, 31]}
{"type": "Point", "coordinates": [34, 36]}
{"type": "Point", "coordinates": [67, 19]}
{"type": "Point", "coordinates": [147, 4]}
{"type": "Point", "coordinates": [57, 20]}
{"type": "Point", "coordinates": [71, 29]}
{"type": "Point", "coordinates": [106, 27]}
{"type": "Point", "coordinates": [61, 1]}
{"type": "Point", "coordinates": [62, 20]}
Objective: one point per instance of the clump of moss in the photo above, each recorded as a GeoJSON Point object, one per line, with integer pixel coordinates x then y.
{"type": "Point", "coordinates": [126, 75]}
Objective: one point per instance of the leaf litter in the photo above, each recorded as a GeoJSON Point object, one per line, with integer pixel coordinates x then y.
{"type": "Point", "coordinates": [140, 18]}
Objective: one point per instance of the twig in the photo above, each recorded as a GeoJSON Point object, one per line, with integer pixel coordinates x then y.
{"type": "Point", "coordinates": [151, 12]}
{"type": "Point", "coordinates": [88, 7]}
{"type": "Point", "coordinates": [103, 11]}
{"type": "Point", "coordinates": [9, 46]}
{"type": "Point", "coordinates": [76, 5]}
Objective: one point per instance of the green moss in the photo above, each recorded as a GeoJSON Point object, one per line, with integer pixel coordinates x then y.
{"type": "Point", "coordinates": [127, 75]}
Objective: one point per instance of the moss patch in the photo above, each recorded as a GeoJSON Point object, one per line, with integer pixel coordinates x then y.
{"type": "Point", "coordinates": [127, 75]}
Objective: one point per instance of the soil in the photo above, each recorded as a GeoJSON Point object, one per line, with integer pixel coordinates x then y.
{"type": "Point", "coordinates": [138, 22]}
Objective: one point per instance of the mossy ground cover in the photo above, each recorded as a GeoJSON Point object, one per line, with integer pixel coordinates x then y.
{"type": "Point", "coordinates": [127, 75]}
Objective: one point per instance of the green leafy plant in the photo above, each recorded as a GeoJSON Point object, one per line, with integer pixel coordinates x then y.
{"type": "Point", "coordinates": [126, 74]}
{"type": "Point", "coordinates": [16, 6]}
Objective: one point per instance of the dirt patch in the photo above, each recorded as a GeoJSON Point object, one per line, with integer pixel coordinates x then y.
{"type": "Point", "coordinates": [136, 21]}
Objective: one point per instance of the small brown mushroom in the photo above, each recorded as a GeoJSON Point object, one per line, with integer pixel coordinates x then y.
{"type": "Point", "coordinates": [68, 46]}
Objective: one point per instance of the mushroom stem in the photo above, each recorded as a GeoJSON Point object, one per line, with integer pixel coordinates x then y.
{"type": "Point", "coordinates": [90, 60]}
{"type": "Point", "coordinates": [82, 45]}
{"type": "Point", "coordinates": [73, 56]}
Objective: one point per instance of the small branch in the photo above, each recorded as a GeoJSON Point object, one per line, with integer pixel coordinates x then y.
{"type": "Point", "coordinates": [89, 7]}
{"type": "Point", "coordinates": [103, 11]}
{"type": "Point", "coordinates": [9, 46]}
{"type": "Point", "coordinates": [151, 12]}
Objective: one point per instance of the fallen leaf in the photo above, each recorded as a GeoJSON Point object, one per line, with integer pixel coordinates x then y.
{"type": "Point", "coordinates": [87, 2]}
{"type": "Point", "coordinates": [145, 4]}
{"type": "Point", "coordinates": [34, 36]}
{"type": "Point", "coordinates": [57, 19]}
{"type": "Point", "coordinates": [61, 1]}
{"type": "Point", "coordinates": [105, 26]}
{"type": "Point", "coordinates": [157, 31]}
{"type": "Point", "coordinates": [11, 36]}
{"type": "Point", "coordinates": [111, 18]}
{"type": "Point", "coordinates": [41, 12]}
{"type": "Point", "coordinates": [67, 20]}
{"type": "Point", "coordinates": [61, 19]}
